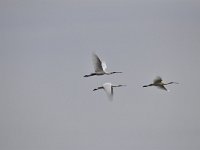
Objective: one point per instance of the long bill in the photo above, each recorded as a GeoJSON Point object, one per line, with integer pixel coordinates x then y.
{"type": "Point", "coordinates": [147, 85]}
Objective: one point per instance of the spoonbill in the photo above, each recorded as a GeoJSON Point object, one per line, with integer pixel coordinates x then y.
{"type": "Point", "coordinates": [99, 67]}
{"type": "Point", "coordinates": [108, 88]}
{"type": "Point", "coordinates": [158, 83]}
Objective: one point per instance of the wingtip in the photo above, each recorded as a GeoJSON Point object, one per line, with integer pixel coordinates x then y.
{"type": "Point", "coordinates": [110, 97]}
{"type": "Point", "coordinates": [94, 53]}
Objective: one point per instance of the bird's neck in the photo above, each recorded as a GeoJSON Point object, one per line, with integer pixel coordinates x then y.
{"type": "Point", "coordinates": [170, 83]}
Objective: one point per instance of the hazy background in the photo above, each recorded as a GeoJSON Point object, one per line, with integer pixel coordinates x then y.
{"type": "Point", "coordinates": [45, 49]}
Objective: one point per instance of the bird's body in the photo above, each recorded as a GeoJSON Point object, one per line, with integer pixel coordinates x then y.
{"type": "Point", "coordinates": [99, 67]}
{"type": "Point", "coordinates": [108, 88]}
{"type": "Point", "coordinates": [158, 83]}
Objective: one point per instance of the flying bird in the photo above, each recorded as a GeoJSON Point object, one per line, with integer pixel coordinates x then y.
{"type": "Point", "coordinates": [99, 67]}
{"type": "Point", "coordinates": [158, 83]}
{"type": "Point", "coordinates": [108, 88]}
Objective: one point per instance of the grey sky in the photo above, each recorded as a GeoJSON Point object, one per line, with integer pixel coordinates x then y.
{"type": "Point", "coordinates": [45, 49]}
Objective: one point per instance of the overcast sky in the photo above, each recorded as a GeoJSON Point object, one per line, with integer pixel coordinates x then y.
{"type": "Point", "coordinates": [45, 50]}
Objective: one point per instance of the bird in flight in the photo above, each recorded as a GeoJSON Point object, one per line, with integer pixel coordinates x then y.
{"type": "Point", "coordinates": [108, 88]}
{"type": "Point", "coordinates": [158, 83]}
{"type": "Point", "coordinates": [99, 67]}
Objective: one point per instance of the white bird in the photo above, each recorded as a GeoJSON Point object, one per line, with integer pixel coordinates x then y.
{"type": "Point", "coordinates": [108, 88]}
{"type": "Point", "coordinates": [99, 67]}
{"type": "Point", "coordinates": [158, 83]}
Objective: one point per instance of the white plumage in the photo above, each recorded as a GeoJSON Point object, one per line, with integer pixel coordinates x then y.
{"type": "Point", "coordinates": [158, 83]}
{"type": "Point", "coordinates": [99, 67]}
{"type": "Point", "coordinates": [108, 88]}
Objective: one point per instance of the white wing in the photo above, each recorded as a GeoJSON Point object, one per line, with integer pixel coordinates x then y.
{"type": "Point", "coordinates": [162, 87]}
{"type": "Point", "coordinates": [97, 63]}
{"type": "Point", "coordinates": [104, 66]}
{"type": "Point", "coordinates": [108, 89]}
{"type": "Point", "coordinates": [157, 80]}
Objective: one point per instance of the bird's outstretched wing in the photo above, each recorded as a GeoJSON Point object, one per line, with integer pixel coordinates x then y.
{"type": "Point", "coordinates": [97, 63]}
{"type": "Point", "coordinates": [108, 89]}
{"type": "Point", "coordinates": [157, 80]}
{"type": "Point", "coordinates": [104, 66]}
{"type": "Point", "coordinates": [162, 87]}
